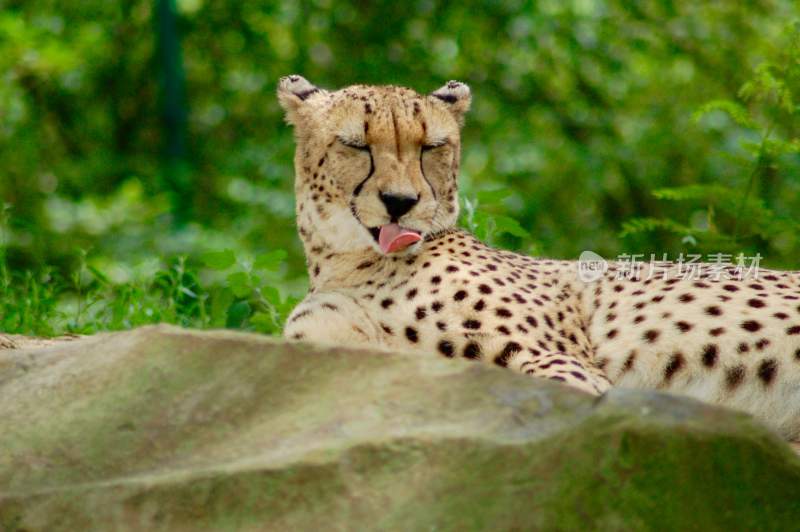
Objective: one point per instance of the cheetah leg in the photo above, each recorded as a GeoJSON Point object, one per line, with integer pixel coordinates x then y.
{"type": "Point", "coordinates": [16, 341]}
{"type": "Point", "coordinates": [564, 368]}
{"type": "Point", "coordinates": [6, 342]}
{"type": "Point", "coordinates": [330, 318]}
{"type": "Point", "coordinates": [795, 445]}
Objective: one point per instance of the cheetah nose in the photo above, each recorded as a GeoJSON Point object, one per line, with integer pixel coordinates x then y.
{"type": "Point", "coordinates": [397, 205]}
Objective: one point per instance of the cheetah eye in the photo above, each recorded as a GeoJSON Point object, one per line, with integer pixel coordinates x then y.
{"type": "Point", "coordinates": [355, 144]}
{"type": "Point", "coordinates": [433, 145]}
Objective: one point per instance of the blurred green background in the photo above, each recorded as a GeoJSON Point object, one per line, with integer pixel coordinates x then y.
{"type": "Point", "coordinates": [146, 172]}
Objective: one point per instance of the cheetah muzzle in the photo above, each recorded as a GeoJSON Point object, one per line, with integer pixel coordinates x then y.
{"type": "Point", "coordinates": [376, 190]}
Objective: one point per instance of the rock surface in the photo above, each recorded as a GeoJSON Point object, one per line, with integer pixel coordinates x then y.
{"type": "Point", "coordinates": [165, 429]}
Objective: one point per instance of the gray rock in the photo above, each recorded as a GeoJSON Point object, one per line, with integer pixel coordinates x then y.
{"type": "Point", "coordinates": [165, 429]}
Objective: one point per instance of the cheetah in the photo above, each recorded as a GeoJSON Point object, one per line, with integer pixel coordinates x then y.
{"type": "Point", "coordinates": [377, 203]}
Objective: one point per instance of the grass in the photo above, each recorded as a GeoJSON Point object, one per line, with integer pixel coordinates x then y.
{"type": "Point", "coordinates": [181, 291]}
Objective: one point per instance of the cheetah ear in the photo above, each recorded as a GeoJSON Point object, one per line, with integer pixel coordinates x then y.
{"type": "Point", "coordinates": [293, 93]}
{"type": "Point", "coordinates": [457, 96]}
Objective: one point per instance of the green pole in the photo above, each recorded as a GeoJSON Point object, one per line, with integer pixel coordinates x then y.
{"type": "Point", "coordinates": [173, 108]}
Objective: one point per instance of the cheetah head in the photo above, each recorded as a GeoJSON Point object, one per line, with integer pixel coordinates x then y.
{"type": "Point", "coordinates": [376, 166]}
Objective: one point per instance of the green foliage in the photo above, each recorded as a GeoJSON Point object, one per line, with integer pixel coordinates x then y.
{"type": "Point", "coordinates": [736, 217]}
{"type": "Point", "coordinates": [581, 109]}
{"type": "Point", "coordinates": [223, 290]}
{"type": "Point", "coordinates": [481, 215]}
{"type": "Point", "coordinates": [89, 301]}
{"type": "Point", "coordinates": [250, 290]}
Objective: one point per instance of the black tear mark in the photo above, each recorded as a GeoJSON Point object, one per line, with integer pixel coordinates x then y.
{"type": "Point", "coordinates": [396, 134]}
{"type": "Point", "coordinates": [422, 171]}
{"type": "Point", "coordinates": [358, 188]}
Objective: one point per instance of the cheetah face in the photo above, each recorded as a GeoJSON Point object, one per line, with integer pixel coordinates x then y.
{"type": "Point", "coordinates": [376, 167]}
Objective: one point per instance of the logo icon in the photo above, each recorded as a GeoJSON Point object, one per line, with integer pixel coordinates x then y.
{"type": "Point", "coordinates": [591, 266]}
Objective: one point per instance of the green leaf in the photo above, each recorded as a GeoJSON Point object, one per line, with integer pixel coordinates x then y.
{"type": "Point", "coordinates": [271, 260]}
{"type": "Point", "coordinates": [493, 196]}
{"type": "Point", "coordinates": [237, 314]}
{"type": "Point", "coordinates": [505, 224]}
{"type": "Point", "coordinates": [263, 323]}
{"type": "Point", "coordinates": [691, 192]}
{"type": "Point", "coordinates": [239, 283]}
{"type": "Point", "coordinates": [646, 225]}
{"type": "Point", "coordinates": [219, 260]}
{"type": "Point", "coordinates": [483, 225]}
{"type": "Point", "coordinates": [100, 276]}
{"type": "Point", "coordinates": [221, 301]}
{"type": "Point", "coordinates": [271, 294]}
{"type": "Point", "coordinates": [776, 147]}
{"type": "Point", "coordinates": [186, 291]}
{"type": "Point", "coordinates": [736, 112]}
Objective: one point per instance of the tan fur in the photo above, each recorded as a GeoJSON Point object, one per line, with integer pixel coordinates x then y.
{"type": "Point", "coordinates": [735, 343]}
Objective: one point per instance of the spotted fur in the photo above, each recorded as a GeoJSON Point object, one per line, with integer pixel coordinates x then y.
{"type": "Point", "coordinates": [735, 343]}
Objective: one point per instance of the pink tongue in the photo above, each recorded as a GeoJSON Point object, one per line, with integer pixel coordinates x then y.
{"type": "Point", "coordinates": [394, 238]}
